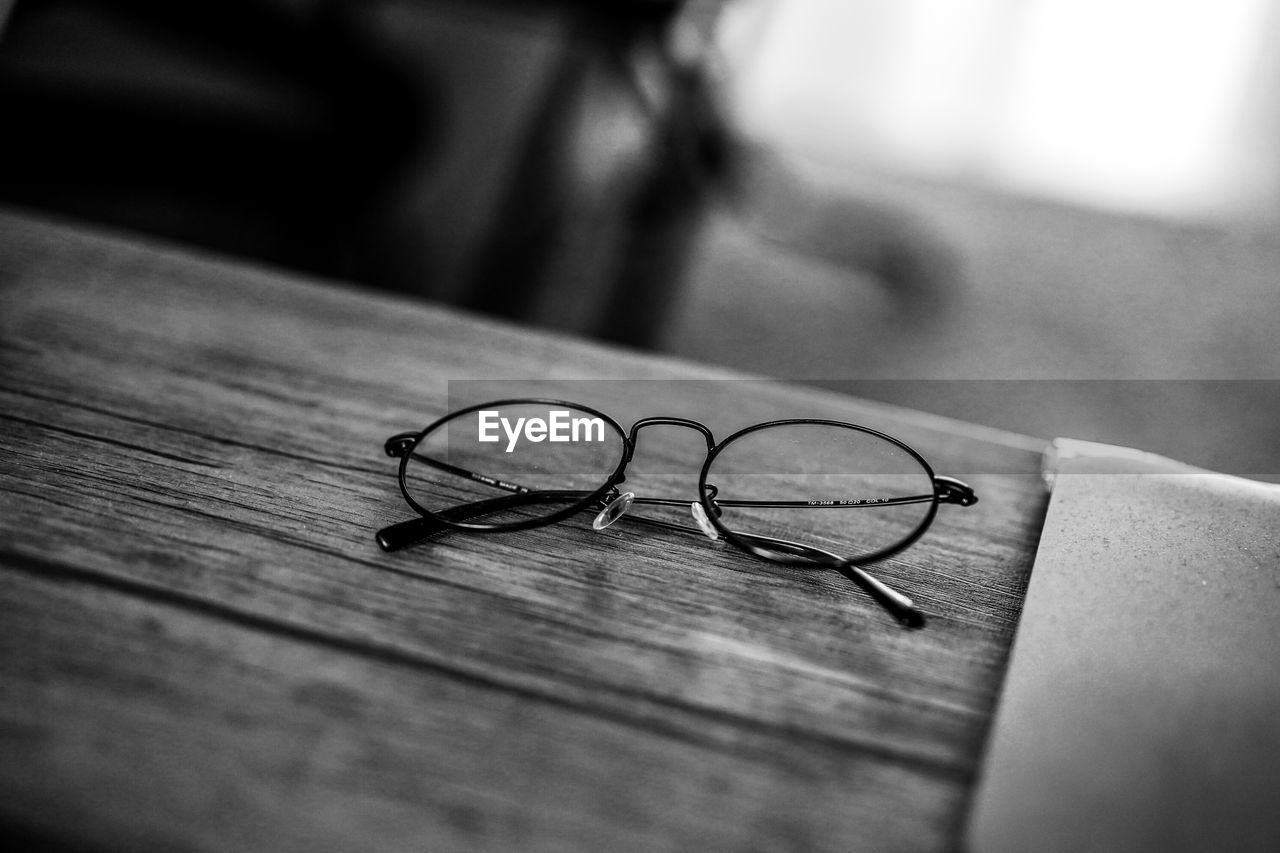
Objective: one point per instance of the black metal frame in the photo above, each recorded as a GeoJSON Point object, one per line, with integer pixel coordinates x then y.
{"type": "Point", "coordinates": [404, 534]}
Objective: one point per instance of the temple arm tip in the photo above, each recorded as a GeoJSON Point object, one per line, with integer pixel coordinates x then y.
{"type": "Point", "coordinates": [405, 533]}
{"type": "Point", "coordinates": [899, 606]}
{"type": "Point", "coordinates": [909, 617]}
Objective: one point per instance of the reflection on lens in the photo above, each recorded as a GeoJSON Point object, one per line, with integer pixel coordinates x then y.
{"type": "Point", "coordinates": [837, 488]}
{"type": "Point", "coordinates": [525, 461]}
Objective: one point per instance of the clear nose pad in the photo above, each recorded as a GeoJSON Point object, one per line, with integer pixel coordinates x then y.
{"type": "Point", "coordinates": [704, 523]}
{"type": "Point", "coordinates": [613, 510]}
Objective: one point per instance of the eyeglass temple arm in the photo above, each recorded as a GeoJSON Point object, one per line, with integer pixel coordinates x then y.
{"type": "Point", "coordinates": [946, 489]}
{"type": "Point", "coordinates": [898, 605]}
{"type": "Point", "coordinates": [410, 532]}
{"type": "Point", "coordinates": [402, 444]}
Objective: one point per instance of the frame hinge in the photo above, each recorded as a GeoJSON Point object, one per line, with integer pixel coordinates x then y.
{"type": "Point", "coordinates": [952, 491]}
{"type": "Point", "coordinates": [399, 445]}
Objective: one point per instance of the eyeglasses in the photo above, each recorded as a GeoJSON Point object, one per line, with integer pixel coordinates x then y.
{"type": "Point", "coordinates": [803, 492]}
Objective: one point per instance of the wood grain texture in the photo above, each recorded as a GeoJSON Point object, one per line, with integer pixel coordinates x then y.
{"type": "Point", "coordinates": [203, 648]}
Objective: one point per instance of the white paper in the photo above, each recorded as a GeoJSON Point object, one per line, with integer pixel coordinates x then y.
{"type": "Point", "coordinates": [1141, 707]}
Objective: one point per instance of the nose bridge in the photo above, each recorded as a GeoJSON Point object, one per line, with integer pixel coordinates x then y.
{"type": "Point", "coordinates": [681, 422]}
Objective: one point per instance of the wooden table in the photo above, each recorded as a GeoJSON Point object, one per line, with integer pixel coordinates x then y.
{"type": "Point", "coordinates": [201, 646]}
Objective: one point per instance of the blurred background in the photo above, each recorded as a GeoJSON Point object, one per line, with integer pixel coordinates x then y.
{"type": "Point", "coordinates": [1051, 216]}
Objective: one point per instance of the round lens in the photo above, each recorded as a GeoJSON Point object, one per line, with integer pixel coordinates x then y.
{"type": "Point", "coordinates": [842, 489]}
{"type": "Point", "coordinates": [512, 464]}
